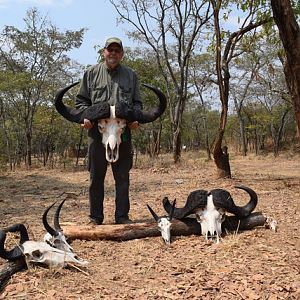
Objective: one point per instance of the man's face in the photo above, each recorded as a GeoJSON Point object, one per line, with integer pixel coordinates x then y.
{"type": "Point", "coordinates": [113, 54]}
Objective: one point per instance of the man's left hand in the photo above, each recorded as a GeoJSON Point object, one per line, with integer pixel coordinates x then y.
{"type": "Point", "coordinates": [134, 125]}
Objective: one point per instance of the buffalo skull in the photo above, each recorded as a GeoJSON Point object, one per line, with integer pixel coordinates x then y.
{"type": "Point", "coordinates": [111, 119]}
{"type": "Point", "coordinates": [210, 208]}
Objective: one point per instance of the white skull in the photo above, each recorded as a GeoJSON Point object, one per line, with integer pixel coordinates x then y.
{"type": "Point", "coordinates": [41, 252]}
{"type": "Point", "coordinates": [164, 225]}
{"type": "Point", "coordinates": [58, 242]}
{"type": "Point", "coordinates": [211, 219]}
{"type": "Point", "coordinates": [111, 130]}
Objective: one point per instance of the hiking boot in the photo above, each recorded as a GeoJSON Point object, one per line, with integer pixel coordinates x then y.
{"type": "Point", "coordinates": [94, 221]}
{"type": "Point", "coordinates": [124, 221]}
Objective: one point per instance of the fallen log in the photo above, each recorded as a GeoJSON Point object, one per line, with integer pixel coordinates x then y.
{"type": "Point", "coordinates": [125, 232]}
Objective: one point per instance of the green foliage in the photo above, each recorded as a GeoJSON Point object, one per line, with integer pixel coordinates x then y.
{"type": "Point", "coordinates": [33, 63]}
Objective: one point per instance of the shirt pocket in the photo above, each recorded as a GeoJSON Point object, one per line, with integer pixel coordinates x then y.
{"type": "Point", "coordinates": [125, 95]}
{"type": "Point", "coordinates": [99, 94]}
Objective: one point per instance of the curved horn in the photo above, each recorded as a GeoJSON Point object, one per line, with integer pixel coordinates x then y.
{"type": "Point", "coordinates": [172, 210]}
{"type": "Point", "coordinates": [98, 111]}
{"type": "Point", "coordinates": [196, 199]}
{"type": "Point", "coordinates": [49, 229]}
{"type": "Point", "coordinates": [246, 210]}
{"type": "Point", "coordinates": [16, 252]}
{"type": "Point", "coordinates": [155, 216]}
{"type": "Point", "coordinates": [56, 216]}
{"type": "Point", "coordinates": [151, 115]}
{"type": "Point", "coordinates": [223, 199]}
{"type": "Point", "coordinates": [67, 112]}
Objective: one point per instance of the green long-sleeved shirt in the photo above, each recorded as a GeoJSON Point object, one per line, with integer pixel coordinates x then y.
{"type": "Point", "coordinates": [101, 84]}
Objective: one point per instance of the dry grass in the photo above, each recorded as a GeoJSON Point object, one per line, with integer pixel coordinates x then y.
{"type": "Point", "coordinates": [256, 264]}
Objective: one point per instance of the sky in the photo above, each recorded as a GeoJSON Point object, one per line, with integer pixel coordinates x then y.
{"type": "Point", "coordinates": [98, 16]}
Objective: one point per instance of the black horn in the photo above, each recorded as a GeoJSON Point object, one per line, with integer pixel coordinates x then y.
{"type": "Point", "coordinates": [155, 216]}
{"type": "Point", "coordinates": [16, 252]}
{"type": "Point", "coordinates": [153, 114]}
{"type": "Point", "coordinates": [223, 199]}
{"type": "Point", "coordinates": [98, 111]}
{"type": "Point", "coordinates": [172, 210]}
{"type": "Point", "coordinates": [125, 111]}
{"type": "Point", "coordinates": [49, 229]}
{"type": "Point", "coordinates": [196, 199]}
{"type": "Point", "coordinates": [56, 217]}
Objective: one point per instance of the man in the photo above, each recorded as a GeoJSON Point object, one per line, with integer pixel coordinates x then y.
{"type": "Point", "coordinates": [112, 82]}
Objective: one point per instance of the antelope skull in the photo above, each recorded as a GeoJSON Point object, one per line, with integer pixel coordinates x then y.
{"type": "Point", "coordinates": [210, 209]}
{"type": "Point", "coordinates": [55, 236]}
{"type": "Point", "coordinates": [164, 223]}
{"type": "Point", "coordinates": [36, 252]}
{"type": "Point", "coordinates": [111, 119]}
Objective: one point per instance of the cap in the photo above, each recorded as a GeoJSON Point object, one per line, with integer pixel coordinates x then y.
{"type": "Point", "coordinates": [113, 40]}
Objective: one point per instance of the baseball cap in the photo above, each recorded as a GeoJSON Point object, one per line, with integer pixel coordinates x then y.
{"type": "Point", "coordinates": [113, 40]}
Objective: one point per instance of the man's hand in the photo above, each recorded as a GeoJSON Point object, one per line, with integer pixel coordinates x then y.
{"type": "Point", "coordinates": [133, 125]}
{"type": "Point", "coordinates": [87, 124]}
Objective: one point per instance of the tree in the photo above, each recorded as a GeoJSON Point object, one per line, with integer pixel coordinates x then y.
{"type": "Point", "coordinates": [224, 53]}
{"type": "Point", "coordinates": [289, 32]}
{"type": "Point", "coordinates": [35, 61]}
{"type": "Point", "coordinates": [171, 29]}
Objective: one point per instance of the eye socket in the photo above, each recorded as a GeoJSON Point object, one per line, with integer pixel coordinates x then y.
{"type": "Point", "coordinates": [101, 127]}
{"type": "Point", "coordinates": [200, 217]}
{"type": "Point", "coordinates": [37, 254]}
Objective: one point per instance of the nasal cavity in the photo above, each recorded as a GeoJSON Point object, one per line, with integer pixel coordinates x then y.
{"type": "Point", "coordinates": [112, 154]}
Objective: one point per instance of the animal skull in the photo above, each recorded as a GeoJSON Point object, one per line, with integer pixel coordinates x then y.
{"type": "Point", "coordinates": [164, 223]}
{"type": "Point", "coordinates": [210, 208]}
{"type": "Point", "coordinates": [42, 253]}
{"type": "Point", "coordinates": [36, 252]}
{"type": "Point", "coordinates": [211, 219]}
{"type": "Point", "coordinates": [111, 119]}
{"type": "Point", "coordinates": [55, 236]}
{"type": "Point", "coordinates": [111, 130]}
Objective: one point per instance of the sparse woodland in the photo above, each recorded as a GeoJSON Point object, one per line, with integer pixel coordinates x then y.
{"type": "Point", "coordinates": [233, 117]}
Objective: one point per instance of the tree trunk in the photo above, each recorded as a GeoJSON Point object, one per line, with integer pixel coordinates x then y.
{"type": "Point", "coordinates": [28, 153]}
{"type": "Point", "coordinates": [187, 226]}
{"type": "Point", "coordinates": [207, 148]}
{"type": "Point", "coordinates": [221, 158]}
{"type": "Point", "coordinates": [79, 146]}
{"type": "Point", "coordinates": [177, 145]}
{"type": "Point", "coordinates": [289, 32]}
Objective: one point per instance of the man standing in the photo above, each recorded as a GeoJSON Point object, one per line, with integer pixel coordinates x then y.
{"type": "Point", "coordinates": [111, 82]}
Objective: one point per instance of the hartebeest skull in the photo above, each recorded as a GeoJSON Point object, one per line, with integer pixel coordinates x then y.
{"type": "Point", "coordinates": [210, 208]}
{"type": "Point", "coordinates": [164, 223]}
{"type": "Point", "coordinates": [111, 119]}
{"type": "Point", "coordinates": [55, 236]}
{"type": "Point", "coordinates": [36, 252]}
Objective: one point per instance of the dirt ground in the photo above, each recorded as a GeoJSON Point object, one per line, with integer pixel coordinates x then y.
{"type": "Point", "coordinates": [254, 264]}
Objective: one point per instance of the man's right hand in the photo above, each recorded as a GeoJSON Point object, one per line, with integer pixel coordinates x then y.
{"type": "Point", "coordinates": [87, 124]}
